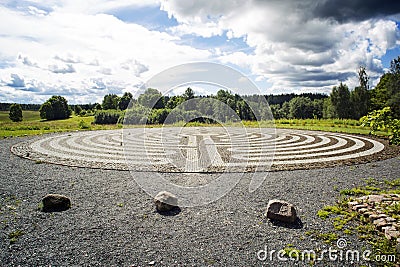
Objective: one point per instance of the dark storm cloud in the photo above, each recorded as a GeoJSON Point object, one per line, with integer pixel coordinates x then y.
{"type": "Point", "coordinates": [339, 10]}
{"type": "Point", "coordinates": [317, 76]}
{"type": "Point", "coordinates": [355, 10]}
{"type": "Point", "coordinates": [326, 76]}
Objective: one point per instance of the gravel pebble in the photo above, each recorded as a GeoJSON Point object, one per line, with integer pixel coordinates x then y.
{"type": "Point", "coordinates": [98, 231]}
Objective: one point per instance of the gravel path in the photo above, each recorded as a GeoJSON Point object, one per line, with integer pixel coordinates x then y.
{"type": "Point", "coordinates": [113, 222]}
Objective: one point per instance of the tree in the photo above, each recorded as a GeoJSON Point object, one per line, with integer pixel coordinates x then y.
{"type": "Point", "coordinates": [97, 106]}
{"type": "Point", "coordinates": [189, 94]}
{"type": "Point", "coordinates": [360, 96]}
{"type": "Point", "coordinates": [157, 116]}
{"type": "Point", "coordinates": [379, 95]}
{"type": "Point", "coordinates": [174, 101]}
{"type": "Point", "coordinates": [226, 97]}
{"type": "Point", "coordinates": [363, 78]}
{"type": "Point", "coordinates": [318, 108]}
{"type": "Point", "coordinates": [137, 114]}
{"type": "Point", "coordinates": [301, 108]}
{"type": "Point", "coordinates": [205, 106]}
{"type": "Point", "coordinates": [77, 110]}
{"type": "Point", "coordinates": [151, 98]}
{"type": "Point", "coordinates": [285, 110]}
{"type": "Point", "coordinates": [15, 113]}
{"type": "Point", "coordinates": [55, 108]}
{"type": "Point", "coordinates": [393, 87]}
{"type": "Point", "coordinates": [46, 111]}
{"type": "Point", "coordinates": [244, 111]}
{"type": "Point", "coordinates": [360, 102]}
{"type": "Point", "coordinates": [110, 101]}
{"type": "Point", "coordinates": [125, 100]}
{"type": "Point", "coordinates": [387, 92]}
{"type": "Point", "coordinates": [340, 98]}
{"type": "Point", "coordinates": [276, 111]}
{"type": "Point", "coordinates": [328, 111]}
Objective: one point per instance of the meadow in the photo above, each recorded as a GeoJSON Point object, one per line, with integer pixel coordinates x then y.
{"type": "Point", "coordinates": [33, 125]}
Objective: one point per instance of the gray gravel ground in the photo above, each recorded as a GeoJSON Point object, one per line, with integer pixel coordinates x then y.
{"type": "Point", "coordinates": [114, 223]}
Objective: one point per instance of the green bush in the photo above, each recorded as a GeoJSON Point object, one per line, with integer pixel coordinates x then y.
{"type": "Point", "coordinates": [83, 125]}
{"type": "Point", "coordinates": [158, 116]}
{"type": "Point", "coordinates": [15, 113]}
{"type": "Point", "coordinates": [55, 108]}
{"type": "Point", "coordinates": [381, 120]}
{"type": "Point", "coordinates": [108, 117]}
{"type": "Point", "coordinates": [136, 115]}
{"type": "Point", "coordinates": [77, 110]}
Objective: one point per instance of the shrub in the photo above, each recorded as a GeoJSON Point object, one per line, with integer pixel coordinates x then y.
{"type": "Point", "coordinates": [108, 117]}
{"type": "Point", "coordinates": [381, 120]}
{"type": "Point", "coordinates": [158, 116]}
{"type": "Point", "coordinates": [83, 125]}
{"type": "Point", "coordinates": [15, 112]}
{"type": "Point", "coordinates": [77, 110]}
{"type": "Point", "coordinates": [136, 115]}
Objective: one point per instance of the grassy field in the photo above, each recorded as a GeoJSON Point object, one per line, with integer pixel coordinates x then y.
{"type": "Point", "coordinates": [33, 125]}
{"type": "Point", "coordinates": [328, 125]}
{"type": "Point", "coordinates": [28, 115]}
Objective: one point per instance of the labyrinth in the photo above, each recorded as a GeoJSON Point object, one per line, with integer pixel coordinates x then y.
{"type": "Point", "coordinates": [199, 149]}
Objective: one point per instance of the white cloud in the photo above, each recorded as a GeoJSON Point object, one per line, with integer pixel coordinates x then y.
{"type": "Point", "coordinates": [77, 48]}
{"type": "Point", "coordinates": [297, 44]}
{"type": "Point", "coordinates": [105, 71]}
{"type": "Point", "coordinates": [27, 61]}
{"type": "Point", "coordinates": [72, 47]}
{"type": "Point", "coordinates": [135, 66]}
{"type": "Point", "coordinates": [67, 68]}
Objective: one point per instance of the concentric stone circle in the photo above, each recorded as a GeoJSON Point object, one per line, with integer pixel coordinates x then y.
{"type": "Point", "coordinates": [199, 149]}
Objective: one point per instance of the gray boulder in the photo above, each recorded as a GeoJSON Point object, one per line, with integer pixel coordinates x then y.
{"type": "Point", "coordinates": [55, 202]}
{"type": "Point", "coordinates": [281, 211]}
{"type": "Point", "coordinates": [165, 201]}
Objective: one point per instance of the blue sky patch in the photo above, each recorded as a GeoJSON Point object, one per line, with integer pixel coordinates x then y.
{"type": "Point", "coordinates": [150, 17]}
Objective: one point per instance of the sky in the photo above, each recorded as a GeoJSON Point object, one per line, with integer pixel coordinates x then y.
{"type": "Point", "coordinates": [84, 50]}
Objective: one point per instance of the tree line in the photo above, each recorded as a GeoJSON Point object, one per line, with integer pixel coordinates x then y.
{"type": "Point", "coordinates": [154, 108]}
{"type": "Point", "coordinates": [7, 106]}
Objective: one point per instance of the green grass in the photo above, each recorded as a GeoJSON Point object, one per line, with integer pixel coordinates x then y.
{"type": "Point", "coordinates": [352, 223]}
{"type": "Point", "coordinates": [13, 236]}
{"type": "Point", "coordinates": [328, 125]}
{"type": "Point", "coordinates": [28, 115]}
{"type": "Point", "coordinates": [33, 125]}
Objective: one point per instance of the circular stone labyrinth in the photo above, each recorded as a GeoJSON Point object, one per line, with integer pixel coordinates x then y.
{"type": "Point", "coordinates": [201, 149]}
